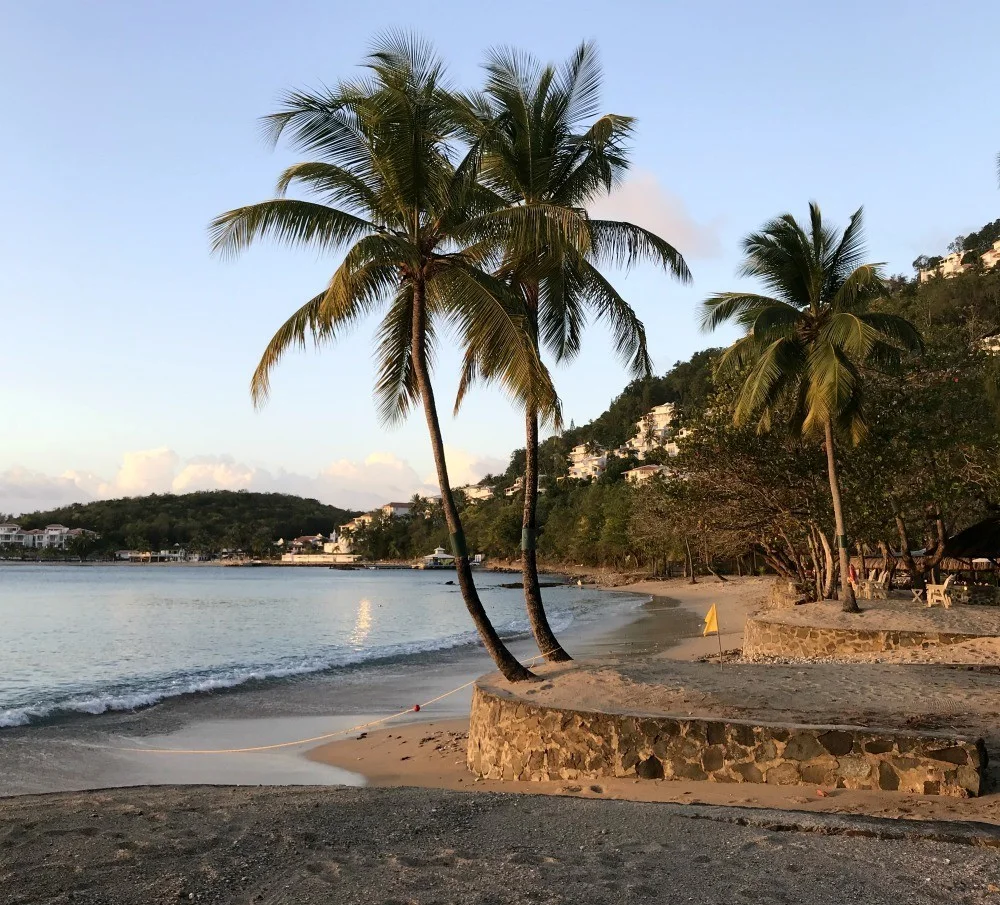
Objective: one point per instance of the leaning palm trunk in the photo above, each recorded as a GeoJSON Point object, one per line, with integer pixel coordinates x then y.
{"type": "Point", "coordinates": [512, 670]}
{"type": "Point", "coordinates": [848, 603]}
{"type": "Point", "coordinates": [547, 643]}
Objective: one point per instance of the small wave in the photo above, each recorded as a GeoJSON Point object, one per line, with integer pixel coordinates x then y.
{"type": "Point", "coordinates": [155, 691]}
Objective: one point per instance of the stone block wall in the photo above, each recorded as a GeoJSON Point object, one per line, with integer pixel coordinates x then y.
{"type": "Point", "coordinates": [764, 637]}
{"type": "Point", "coordinates": [512, 739]}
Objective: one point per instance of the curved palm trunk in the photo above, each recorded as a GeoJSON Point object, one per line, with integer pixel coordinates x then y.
{"type": "Point", "coordinates": [547, 642]}
{"type": "Point", "coordinates": [848, 603]}
{"type": "Point", "coordinates": [505, 661]}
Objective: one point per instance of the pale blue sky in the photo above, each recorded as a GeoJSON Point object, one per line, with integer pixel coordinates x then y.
{"type": "Point", "coordinates": [129, 125]}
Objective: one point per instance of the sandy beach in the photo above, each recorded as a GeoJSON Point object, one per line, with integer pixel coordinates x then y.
{"type": "Point", "coordinates": [227, 844]}
{"type": "Point", "coordinates": [159, 846]}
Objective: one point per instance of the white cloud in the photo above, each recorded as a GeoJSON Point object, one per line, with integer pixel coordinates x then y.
{"type": "Point", "coordinates": [351, 484]}
{"type": "Point", "coordinates": [22, 490]}
{"type": "Point", "coordinates": [467, 468]}
{"type": "Point", "coordinates": [642, 200]}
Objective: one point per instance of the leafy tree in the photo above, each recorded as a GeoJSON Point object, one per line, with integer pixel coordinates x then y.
{"type": "Point", "coordinates": [419, 229]}
{"type": "Point", "coordinates": [808, 345]}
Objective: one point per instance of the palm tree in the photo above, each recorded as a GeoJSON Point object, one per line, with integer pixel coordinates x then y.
{"type": "Point", "coordinates": [539, 148]}
{"type": "Point", "coordinates": [418, 229]}
{"type": "Point", "coordinates": [808, 345]}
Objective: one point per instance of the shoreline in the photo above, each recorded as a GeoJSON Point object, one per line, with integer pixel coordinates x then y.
{"type": "Point", "coordinates": [80, 752]}
{"type": "Point", "coordinates": [427, 749]}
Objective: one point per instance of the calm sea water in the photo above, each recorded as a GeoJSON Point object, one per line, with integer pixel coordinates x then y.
{"type": "Point", "coordinates": [89, 639]}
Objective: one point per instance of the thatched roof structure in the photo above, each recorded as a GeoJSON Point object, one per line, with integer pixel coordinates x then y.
{"type": "Point", "coordinates": [978, 541]}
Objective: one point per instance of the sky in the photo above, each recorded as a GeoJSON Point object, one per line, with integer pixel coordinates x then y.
{"type": "Point", "coordinates": [127, 348]}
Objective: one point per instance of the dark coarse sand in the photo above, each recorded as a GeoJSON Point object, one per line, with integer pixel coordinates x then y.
{"type": "Point", "coordinates": [346, 845]}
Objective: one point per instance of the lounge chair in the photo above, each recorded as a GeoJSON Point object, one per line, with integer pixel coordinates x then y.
{"type": "Point", "coordinates": [937, 594]}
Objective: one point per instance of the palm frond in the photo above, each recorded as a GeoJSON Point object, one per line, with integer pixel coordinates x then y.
{"type": "Point", "coordinates": [335, 184]}
{"type": "Point", "coordinates": [304, 322]}
{"type": "Point", "coordinates": [491, 320]}
{"type": "Point", "coordinates": [775, 369]}
{"type": "Point", "coordinates": [289, 222]}
{"type": "Point", "coordinates": [628, 334]}
{"type": "Point", "coordinates": [859, 289]}
{"type": "Point", "coordinates": [895, 329]}
{"type": "Point", "coordinates": [833, 383]}
{"type": "Point", "coordinates": [742, 307]}
{"type": "Point", "coordinates": [395, 385]}
{"type": "Point", "coordinates": [623, 244]}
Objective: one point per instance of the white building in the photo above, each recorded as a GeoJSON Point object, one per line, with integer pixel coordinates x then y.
{"type": "Point", "coordinates": [54, 536]}
{"type": "Point", "coordinates": [395, 510]}
{"type": "Point", "coordinates": [653, 431]}
{"type": "Point", "coordinates": [645, 473]}
{"type": "Point", "coordinates": [585, 465]}
{"type": "Point", "coordinates": [951, 265]}
{"type": "Point", "coordinates": [476, 492]}
{"type": "Point", "coordinates": [516, 487]}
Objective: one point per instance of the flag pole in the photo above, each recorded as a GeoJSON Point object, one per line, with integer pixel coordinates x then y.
{"type": "Point", "coordinates": [718, 632]}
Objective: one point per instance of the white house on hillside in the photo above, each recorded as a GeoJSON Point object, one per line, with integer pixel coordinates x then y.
{"type": "Point", "coordinates": [475, 492]}
{"type": "Point", "coordinates": [952, 265]}
{"type": "Point", "coordinates": [645, 473]}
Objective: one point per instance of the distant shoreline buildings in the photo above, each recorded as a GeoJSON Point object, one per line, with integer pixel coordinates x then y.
{"type": "Point", "coordinates": [56, 537]}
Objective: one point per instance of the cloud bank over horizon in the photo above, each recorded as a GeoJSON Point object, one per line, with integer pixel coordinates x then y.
{"type": "Point", "coordinates": [364, 484]}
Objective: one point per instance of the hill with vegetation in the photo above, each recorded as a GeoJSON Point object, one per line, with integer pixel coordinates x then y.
{"type": "Point", "coordinates": [204, 521]}
{"type": "Point", "coordinates": [929, 467]}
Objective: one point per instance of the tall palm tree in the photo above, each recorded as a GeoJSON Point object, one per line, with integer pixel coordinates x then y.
{"type": "Point", "coordinates": [542, 145]}
{"type": "Point", "coordinates": [809, 343]}
{"type": "Point", "coordinates": [417, 228]}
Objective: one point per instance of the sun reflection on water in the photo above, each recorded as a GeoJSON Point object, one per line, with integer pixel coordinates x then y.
{"type": "Point", "coordinates": [362, 623]}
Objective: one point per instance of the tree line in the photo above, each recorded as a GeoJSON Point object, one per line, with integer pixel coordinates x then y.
{"type": "Point", "coordinates": [204, 522]}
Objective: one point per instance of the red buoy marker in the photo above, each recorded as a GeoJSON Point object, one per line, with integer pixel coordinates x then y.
{"type": "Point", "coordinates": [416, 708]}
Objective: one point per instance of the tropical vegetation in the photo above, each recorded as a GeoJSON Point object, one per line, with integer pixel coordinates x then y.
{"type": "Point", "coordinates": [810, 344]}
{"type": "Point", "coordinates": [205, 522]}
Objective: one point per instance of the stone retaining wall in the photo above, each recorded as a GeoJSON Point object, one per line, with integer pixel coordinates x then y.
{"type": "Point", "coordinates": [512, 739]}
{"type": "Point", "coordinates": [764, 637]}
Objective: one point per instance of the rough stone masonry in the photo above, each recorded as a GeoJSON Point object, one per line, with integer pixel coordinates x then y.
{"type": "Point", "coordinates": [513, 739]}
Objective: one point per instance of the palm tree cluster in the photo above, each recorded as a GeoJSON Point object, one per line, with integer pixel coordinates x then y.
{"type": "Point", "coordinates": [465, 213]}
{"type": "Point", "coordinates": [460, 213]}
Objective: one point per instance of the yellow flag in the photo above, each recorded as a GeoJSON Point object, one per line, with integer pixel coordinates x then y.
{"type": "Point", "coordinates": [711, 622]}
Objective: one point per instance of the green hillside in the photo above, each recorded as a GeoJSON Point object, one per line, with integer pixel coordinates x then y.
{"type": "Point", "coordinates": [203, 521]}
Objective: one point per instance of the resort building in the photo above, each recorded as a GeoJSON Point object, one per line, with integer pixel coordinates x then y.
{"type": "Point", "coordinates": [476, 492]}
{"type": "Point", "coordinates": [952, 264]}
{"type": "Point", "coordinates": [653, 430]}
{"type": "Point", "coordinates": [992, 257]}
{"type": "Point", "coordinates": [585, 465]}
{"type": "Point", "coordinates": [645, 473]}
{"type": "Point", "coordinates": [306, 543]}
{"type": "Point", "coordinates": [51, 536]}
{"type": "Point", "coordinates": [395, 510]}
{"type": "Point", "coordinates": [515, 488]}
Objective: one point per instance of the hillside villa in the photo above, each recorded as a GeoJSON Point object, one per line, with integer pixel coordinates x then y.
{"type": "Point", "coordinates": [952, 264]}
{"type": "Point", "coordinates": [645, 473]}
{"type": "Point", "coordinates": [476, 492]}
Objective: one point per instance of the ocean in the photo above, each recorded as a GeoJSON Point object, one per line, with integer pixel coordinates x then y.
{"type": "Point", "coordinates": [79, 640]}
